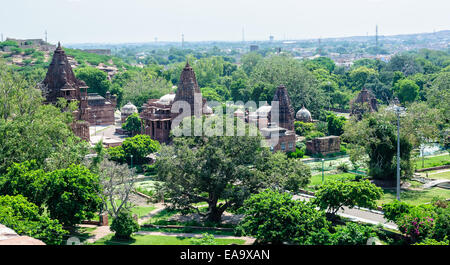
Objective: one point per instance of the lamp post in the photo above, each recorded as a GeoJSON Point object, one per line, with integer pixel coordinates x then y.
{"type": "Point", "coordinates": [95, 124]}
{"type": "Point", "coordinates": [399, 111]}
{"type": "Point", "coordinates": [131, 161]}
{"type": "Point", "coordinates": [323, 178]}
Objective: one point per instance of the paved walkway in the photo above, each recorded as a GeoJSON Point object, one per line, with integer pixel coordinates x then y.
{"type": "Point", "coordinates": [359, 214]}
{"type": "Point", "coordinates": [248, 240]}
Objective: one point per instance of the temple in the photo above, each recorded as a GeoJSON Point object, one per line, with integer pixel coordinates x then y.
{"type": "Point", "coordinates": [281, 129]}
{"type": "Point", "coordinates": [157, 115]}
{"type": "Point", "coordinates": [363, 103]}
{"type": "Point", "coordinates": [60, 82]}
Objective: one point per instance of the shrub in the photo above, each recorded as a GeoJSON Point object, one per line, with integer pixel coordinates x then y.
{"type": "Point", "coordinates": [352, 234]}
{"type": "Point", "coordinates": [124, 225]}
{"type": "Point", "coordinates": [206, 239]}
{"type": "Point", "coordinates": [395, 209]}
{"type": "Point", "coordinates": [417, 224]}
{"type": "Point", "coordinates": [430, 241]}
{"type": "Point", "coordinates": [275, 217]}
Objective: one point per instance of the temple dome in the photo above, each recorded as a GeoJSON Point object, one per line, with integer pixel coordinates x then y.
{"type": "Point", "coordinates": [207, 110]}
{"type": "Point", "coordinates": [129, 109]}
{"type": "Point", "coordinates": [166, 99]}
{"type": "Point", "coordinates": [264, 110]}
{"type": "Point", "coordinates": [304, 115]}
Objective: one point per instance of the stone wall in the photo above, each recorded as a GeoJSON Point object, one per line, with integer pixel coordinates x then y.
{"type": "Point", "coordinates": [324, 145]}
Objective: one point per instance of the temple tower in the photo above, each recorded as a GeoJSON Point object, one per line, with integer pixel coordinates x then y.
{"type": "Point", "coordinates": [286, 112]}
{"type": "Point", "coordinates": [60, 82]}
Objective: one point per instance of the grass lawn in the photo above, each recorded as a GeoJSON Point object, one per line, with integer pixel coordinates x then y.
{"type": "Point", "coordinates": [442, 175]}
{"type": "Point", "coordinates": [433, 161]}
{"type": "Point", "coordinates": [414, 197]}
{"type": "Point", "coordinates": [317, 179]}
{"type": "Point", "coordinates": [188, 230]}
{"type": "Point", "coordinates": [160, 240]}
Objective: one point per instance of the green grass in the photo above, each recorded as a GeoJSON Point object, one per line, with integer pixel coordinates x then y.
{"type": "Point", "coordinates": [187, 230]}
{"type": "Point", "coordinates": [317, 179]}
{"type": "Point", "coordinates": [414, 197]}
{"type": "Point", "coordinates": [434, 161]}
{"type": "Point", "coordinates": [160, 240]}
{"type": "Point", "coordinates": [442, 175]}
{"type": "Point", "coordinates": [141, 211]}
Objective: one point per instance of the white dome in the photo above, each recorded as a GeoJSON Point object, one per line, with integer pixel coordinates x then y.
{"type": "Point", "coordinates": [264, 110]}
{"type": "Point", "coordinates": [304, 115]}
{"type": "Point", "coordinates": [207, 110]}
{"type": "Point", "coordinates": [129, 109]}
{"type": "Point", "coordinates": [166, 99]}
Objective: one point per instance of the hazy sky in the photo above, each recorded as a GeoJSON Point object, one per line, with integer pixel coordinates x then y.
{"type": "Point", "coordinates": [116, 21]}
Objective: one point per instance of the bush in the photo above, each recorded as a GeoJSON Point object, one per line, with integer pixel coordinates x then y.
{"type": "Point", "coordinates": [430, 242]}
{"type": "Point", "coordinates": [352, 234]}
{"type": "Point", "coordinates": [206, 239]}
{"type": "Point", "coordinates": [394, 210]}
{"type": "Point", "coordinates": [274, 217]}
{"type": "Point", "coordinates": [417, 224]}
{"type": "Point", "coordinates": [124, 225]}
{"type": "Point", "coordinates": [297, 154]}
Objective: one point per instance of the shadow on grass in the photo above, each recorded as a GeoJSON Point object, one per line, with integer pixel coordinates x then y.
{"type": "Point", "coordinates": [118, 241]}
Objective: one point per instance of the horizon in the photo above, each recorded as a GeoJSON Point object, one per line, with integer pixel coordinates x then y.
{"type": "Point", "coordinates": [137, 21]}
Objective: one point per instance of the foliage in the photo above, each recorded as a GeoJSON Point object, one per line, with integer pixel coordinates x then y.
{"type": "Point", "coordinates": [394, 210]}
{"type": "Point", "coordinates": [124, 225]}
{"type": "Point", "coordinates": [352, 234]}
{"type": "Point", "coordinates": [335, 124]}
{"type": "Point", "coordinates": [96, 79]}
{"type": "Point", "coordinates": [418, 224]}
{"type": "Point", "coordinates": [206, 239]}
{"type": "Point", "coordinates": [72, 194]}
{"type": "Point", "coordinates": [431, 241]}
{"type": "Point", "coordinates": [139, 146]}
{"type": "Point", "coordinates": [407, 90]}
{"type": "Point", "coordinates": [274, 217]}
{"type": "Point", "coordinates": [17, 213]}
{"type": "Point", "coordinates": [133, 124]}
{"type": "Point", "coordinates": [229, 168]}
{"type": "Point", "coordinates": [334, 194]}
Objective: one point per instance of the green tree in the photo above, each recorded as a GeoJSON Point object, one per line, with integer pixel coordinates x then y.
{"type": "Point", "coordinates": [133, 124]}
{"type": "Point", "coordinates": [335, 124]}
{"type": "Point", "coordinates": [95, 79]}
{"type": "Point", "coordinates": [73, 194]}
{"type": "Point", "coordinates": [124, 225]}
{"type": "Point", "coordinates": [274, 217]}
{"type": "Point", "coordinates": [352, 234]}
{"type": "Point", "coordinates": [333, 195]}
{"type": "Point", "coordinates": [140, 146]}
{"type": "Point", "coordinates": [17, 213]}
{"type": "Point", "coordinates": [407, 90]}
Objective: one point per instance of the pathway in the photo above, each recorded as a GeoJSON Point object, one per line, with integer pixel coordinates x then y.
{"type": "Point", "coordinates": [359, 214]}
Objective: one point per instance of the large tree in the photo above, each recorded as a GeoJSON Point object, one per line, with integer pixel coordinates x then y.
{"type": "Point", "coordinates": [95, 79]}
{"type": "Point", "coordinates": [221, 171]}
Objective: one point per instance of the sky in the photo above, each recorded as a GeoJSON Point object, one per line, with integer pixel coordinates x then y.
{"type": "Point", "coordinates": [130, 21]}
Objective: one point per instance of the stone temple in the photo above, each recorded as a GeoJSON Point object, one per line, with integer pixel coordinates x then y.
{"type": "Point", "coordinates": [60, 82]}
{"type": "Point", "coordinates": [364, 102]}
{"type": "Point", "coordinates": [283, 129]}
{"type": "Point", "coordinates": [157, 115]}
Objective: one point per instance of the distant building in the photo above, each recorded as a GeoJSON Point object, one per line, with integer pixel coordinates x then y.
{"type": "Point", "coordinates": [99, 51]}
{"type": "Point", "coordinates": [323, 145]}
{"type": "Point", "coordinates": [156, 113]}
{"type": "Point", "coordinates": [364, 102]}
{"type": "Point", "coordinates": [254, 48]}
{"type": "Point", "coordinates": [101, 109]}
{"type": "Point", "coordinates": [33, 43]}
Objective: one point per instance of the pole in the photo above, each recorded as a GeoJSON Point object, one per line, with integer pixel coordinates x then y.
{"type": "Point", "coordinates": [398, 156]}
{"type": "Point", "coordinates": [323, 179]}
